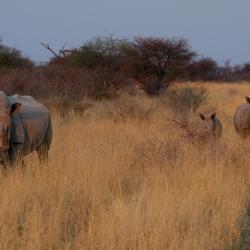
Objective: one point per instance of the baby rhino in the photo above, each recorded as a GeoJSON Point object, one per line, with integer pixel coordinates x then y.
{"type": "Point", "coordinates": [242, 119]}
{"type": "Point", "coordinates": [211, 126]}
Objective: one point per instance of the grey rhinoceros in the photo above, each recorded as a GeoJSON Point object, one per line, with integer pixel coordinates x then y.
{"type": "Point", "coordinates": [25, 126]}
{"type": "Point", "coordinates": [242, 119]}
{"type": "Point", "coordinates": [211, 126]}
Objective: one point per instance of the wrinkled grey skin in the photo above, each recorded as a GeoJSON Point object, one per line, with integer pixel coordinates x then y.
{"type": "Point", "coordinates": [31, 129]}
{"type": "Point", "coordinates": [242, 119]}
{"type": "Point", "coordinates": [27, 126]}
{"type": "Point", "coordinates": [211, 126]}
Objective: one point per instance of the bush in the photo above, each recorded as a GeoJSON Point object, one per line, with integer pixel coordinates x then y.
{"type": "Point", "coordinates": [186, 99]}
{"type": "Point", "coordinates": [101, 58]}
{"type": "Point", "coordinates": [129, 108]}
{"type": "Point", "coordinates": [47, 81]}
{"type": "Point", "coordinates": [96, 53]}
{"type": "Point", "coordinates": [105, 84]}
{"type": "Point", "coordinates": [12, 58]}
{"type": "Point", "coordinates": [205, 69]}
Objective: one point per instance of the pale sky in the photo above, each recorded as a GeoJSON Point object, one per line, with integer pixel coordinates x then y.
{"type": "Point", "coordinates": [216, 28]}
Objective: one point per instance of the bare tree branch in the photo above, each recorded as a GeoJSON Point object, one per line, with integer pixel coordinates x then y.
{"type": "Point", "coordinates": [46, 46]}
{"type": "Point", "coordinates": [62, 52]}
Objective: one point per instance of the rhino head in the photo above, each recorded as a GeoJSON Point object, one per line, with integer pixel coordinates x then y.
{"type": "Point", "coordinates": [211, 125]}
{"type": "Point", "coordinates": [5, 125]}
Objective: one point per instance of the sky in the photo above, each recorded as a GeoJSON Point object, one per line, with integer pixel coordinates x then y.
{"type": "Point", "coordinates": [215, 28]}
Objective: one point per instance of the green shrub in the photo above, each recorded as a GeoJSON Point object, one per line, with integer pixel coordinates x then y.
{"type": "Point", "coordinates": [12, 58]}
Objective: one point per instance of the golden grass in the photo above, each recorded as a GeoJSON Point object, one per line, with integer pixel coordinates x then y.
{"type": "Point", "coordinates": [130, 184]}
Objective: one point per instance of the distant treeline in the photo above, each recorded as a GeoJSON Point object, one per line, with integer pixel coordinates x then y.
{"type": "Point", "coordinates": [103, 66]}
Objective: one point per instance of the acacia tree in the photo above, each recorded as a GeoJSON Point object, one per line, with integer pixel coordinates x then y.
{"type": "Point", "coordinates": [157, 61]}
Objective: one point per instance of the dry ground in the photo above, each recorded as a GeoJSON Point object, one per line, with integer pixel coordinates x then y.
{"type": "Point", "coordinates": [131, 181]}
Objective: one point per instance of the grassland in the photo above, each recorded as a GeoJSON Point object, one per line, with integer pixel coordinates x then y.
{"type": "Point", "coordinates": [129, 180]}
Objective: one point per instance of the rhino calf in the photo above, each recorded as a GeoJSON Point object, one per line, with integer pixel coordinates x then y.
{"type": "Point", "coordinates": [25, 127]}
{"type": "Point", "coordinates": [242, 119]}
{"type": "Point", "coordinates": [211, 126]}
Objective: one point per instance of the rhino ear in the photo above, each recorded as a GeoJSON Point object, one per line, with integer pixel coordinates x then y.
{"type": "Point", "coordinates": [247, 99]}
{"type": "Point", "coordinates": [15, 107]}
{"type": "Point", "coordinates": [213, 116]}
{"type": "Point", "coordinates": [202, 116]}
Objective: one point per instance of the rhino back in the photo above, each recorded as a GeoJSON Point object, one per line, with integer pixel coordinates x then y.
{"type": "Point", "coordinates": [29, 104]}
{"type": "Point", "coordinates": [242, 118]}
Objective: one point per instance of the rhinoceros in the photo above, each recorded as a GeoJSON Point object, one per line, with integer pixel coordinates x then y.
{"type": "Point", "coordinates": [211, 126]}
{"type": "Point", "coordinates": [25, 126]}
{"type": "Point", "coordinates": [242, 119]}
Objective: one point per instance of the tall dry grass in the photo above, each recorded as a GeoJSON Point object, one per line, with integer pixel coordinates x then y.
{"type": "Point", "coordinates": [130, 184]}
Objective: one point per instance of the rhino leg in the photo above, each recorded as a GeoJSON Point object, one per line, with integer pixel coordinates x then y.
{"type": "Point", "coordinates": [15, 153]}
{"type": "Point", "coordinates": [244, 133]}
{"type": "Point", "coordinates": [43, 150]}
